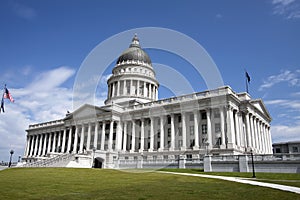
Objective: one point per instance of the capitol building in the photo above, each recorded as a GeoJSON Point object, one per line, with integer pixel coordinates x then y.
{"type": "Point", "coordinates": [135, 127]}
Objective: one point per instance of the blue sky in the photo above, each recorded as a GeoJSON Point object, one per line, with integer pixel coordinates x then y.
{"type": "Point", "coordinates": [43, 43]}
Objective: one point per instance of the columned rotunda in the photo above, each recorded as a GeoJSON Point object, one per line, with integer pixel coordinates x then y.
{"type": "Point", "coordinates": [134, 127]}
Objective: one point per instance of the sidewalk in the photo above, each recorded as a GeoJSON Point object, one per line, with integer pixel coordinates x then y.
{"type": "Point", "coordinates": [242, 180]}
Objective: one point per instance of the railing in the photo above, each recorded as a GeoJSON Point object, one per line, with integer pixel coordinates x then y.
{"type": "Point", "coordinates": [51, 161]}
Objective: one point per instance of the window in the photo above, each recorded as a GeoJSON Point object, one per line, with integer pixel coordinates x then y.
{"type": "Point", "coordinates": [203, 115]}
{"type": "Point", "coordinates": [189, 157]}
{"type": "Point", "coordinates": [179, 118]}
{"type": "Point", "coordinates": [169, 132]}
{"type": "Point", "coordinates": [216, 114]}
{"type": "Point", "coordinates": [295, 149]}
{"type": "Point", "coordinates": [126, 157]}
{"type": "Point", "coordinates": [191, 117]}
{"type": "Point", "coordinates": [217, 127]}
{"type": "Point", "coordinates": [169, 120]}
{"type": "Point", "coordinates": [179, 131]}
{"type": "Point", "coordinates": [191, 130]}
{"type": "Point", "coordinates": [158, 134]}
{"type": "Point", "coordinates": [204, 129]}
{"type": "Point", "coordinates": [192, 143]}
{"type": "Point", "coordinates": [278, 150]}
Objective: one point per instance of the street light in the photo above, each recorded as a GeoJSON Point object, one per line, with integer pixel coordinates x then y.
{"type": "Point", "coordinates": [253, 170]}
{"type": "Point", "coordinates": [11, 153]}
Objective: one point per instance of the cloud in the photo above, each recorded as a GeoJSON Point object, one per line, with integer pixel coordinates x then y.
{"type": "Point", "coordinates": [292, 78]}
{"type": "Point", "coordinates": [44, 99]}
{"type": "Point", "coordinates": [290, 9]}
{"type": "Point", "coordinates": [23, 11]}
{"type": "Point", "coordinates": [283, 133]}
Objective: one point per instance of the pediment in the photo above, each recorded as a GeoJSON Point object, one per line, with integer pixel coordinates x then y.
{"type": "Point", "coordinates": [259, 105]}
{"type": "Point", "coordinates": [86, 111]}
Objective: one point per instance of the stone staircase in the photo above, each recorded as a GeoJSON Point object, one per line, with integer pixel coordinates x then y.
{"type": "Point", "coordinates": [57, 161]}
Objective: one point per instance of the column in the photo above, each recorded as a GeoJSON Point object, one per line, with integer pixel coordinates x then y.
{"type": "Point", "coordinates": [124, 88]}
{"type": "Point", "coordinates": [113, 89]}
{"type": "Point", "coordinates": [36, 145]}
{"type": "Point", "coordinates": [88, 142]}
{"type": "Point", "coordinates": [145, 89]}
{"type": "Point", "coordinates": [270, 140]}
{"type": "Point", "coordinates": [162, 133]}
{"type": "Point", "coordinates": [133, 136]}
{"type": "Point", "coordinates": [252, 132]}
{"type": "Point", "coordinates": [103, 136]}
{"type": "Point", "coordinates": [81, 139]}
{"type": "Point", "coordinates": [151, 134]}
{"type": "Point", "coordinates": [237, 129]}
{"type": "Point", "coordinates": [49, 143]}
{"type": "Point", "coordinates": [223, 145]}
{"type": "Point", "coordinates": [150, 91]}
{"type": "Point", "coordinates": [183, 124]}
{"type": "Point", "coordinates": [96, 135]}
{"type": "Point", "coordinates": [26, 153]}
{"type": "Point", "coordinates": [45, 143]}
{"type": "Point", "coordinates": [59, 142]}
{"type": "Point", "coordinates": [142, 135]}
{"type": "Point", "coordinates": [69, 140]}
{"type": "Point", "coordinates": [248, 131]}
{"type": "Point", "coordinates": [125, 136]}
{"type": "Point", "coordinates": [138, 87]}
{"type": "Point", "coordinates": [256, 134]}
{"type": "Point", "coordinates": [230, 128]}
{"type": "Point", "coordinates": [118, 88]}
{"type": "Point", "coordinates": [263, 138]}
{"type": "Point", "coordinates": [54, 142]}
{"type": "Point", "coordinates": [31, 145]}
{"type": "Point", "coordinates": [111, 132]}
{"type": "Point", "coordinates": [196, 129]}
{"type": "Point", "coordinates": [75, 140]}
{"type": "Point", "coordinates": [118, 136]}
{"type": "Point", "coordinates": [63, 146]}
{"type": "Point", "coordinates": [131, 88]}
{"type": "Point", "coordinates": [41, 145]}
{"type": "Point", "coordinates": [172, 132]}
{"type": "Point", "coordinates": [209, 133]}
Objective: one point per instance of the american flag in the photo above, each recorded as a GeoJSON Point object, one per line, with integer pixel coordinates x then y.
{"type": "Point", "coordinates": [7, 95]}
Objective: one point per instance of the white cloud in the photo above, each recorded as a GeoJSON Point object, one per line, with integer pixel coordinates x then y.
{"type": "Point", "coordinates": [23, 11]}
{"type": "Point", "coordinates": [42, 100]}
{"type": "Point", "coordinates": [290, 9]}
{"type": "Point", "coordinates": [292, 78]}
{"type": "Point", "coordinates": [283, 133]}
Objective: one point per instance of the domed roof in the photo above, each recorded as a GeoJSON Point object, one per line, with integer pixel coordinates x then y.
{"type": "Point", "coordinates": [134, 52]}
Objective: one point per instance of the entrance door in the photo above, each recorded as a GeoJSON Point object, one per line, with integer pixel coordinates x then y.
{"type": "Point", "coordinates": [98, 162]}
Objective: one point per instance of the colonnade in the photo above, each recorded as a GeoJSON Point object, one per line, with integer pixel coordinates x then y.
{"type": "Point", "coordinates": [132, 87]}
{"type": "Point", "coordinates": [223, 127]}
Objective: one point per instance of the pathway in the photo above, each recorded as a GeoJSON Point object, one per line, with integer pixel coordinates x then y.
{"type": "Point", "coordinates": [242, 180]}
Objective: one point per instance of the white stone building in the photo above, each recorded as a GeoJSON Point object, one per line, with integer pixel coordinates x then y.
{"type": "Point", "coordinates": [134, 125]}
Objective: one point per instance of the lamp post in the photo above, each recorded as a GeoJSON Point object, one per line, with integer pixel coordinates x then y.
{"type": "Point", "coordinates": [11, 153]}
{"type": "Point", "coordinates": [94, 150]}
{"type": "Point", "coordinates": [253, 170]}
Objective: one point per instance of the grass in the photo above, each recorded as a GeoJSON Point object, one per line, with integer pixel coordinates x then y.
{"type": "Point", "coordinates": [290, 179]}
{"type": "Point", "coordinates": [66, 183]}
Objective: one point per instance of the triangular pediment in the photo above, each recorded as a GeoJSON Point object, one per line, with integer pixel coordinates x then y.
{"type": "Point", "coordinates": [86, 111]}
{"type": "Point", "coordinates": [259, 105]}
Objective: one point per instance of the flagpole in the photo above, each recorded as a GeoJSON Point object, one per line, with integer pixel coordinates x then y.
{"type": "Point", "coordinates": [247, 85]}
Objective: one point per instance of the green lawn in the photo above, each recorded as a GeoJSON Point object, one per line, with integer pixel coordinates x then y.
{"type": "Point", "coordinates": [66, 183]}
{"type": "Point", "coordinates": [278, 178]}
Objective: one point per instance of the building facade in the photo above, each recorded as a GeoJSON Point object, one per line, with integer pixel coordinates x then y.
{"type": "Point", "coordinates": [134, 125]}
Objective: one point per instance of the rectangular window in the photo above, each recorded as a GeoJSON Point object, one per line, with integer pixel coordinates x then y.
{"type": "Point", "coordinates": [278, 150]}
{"type": "Point", "coordinates": [217, 127]}
{"type": "Point", "coordinates": [216, 114]}
{"type": "Point", "coordinates": [189, 157]}
{"type": "Point", "coordinates": [179, 118]}
{"type": "Point", "coordinates": [191, 130]}
{"type": "Point", "coordinates": [192, 143]}
{"type": "Point", "coordinates": [169, 132]}
{"type": "Point", "coordinates": [203, 115]}
{"type": "Point", "coordinates": [295, 149]}
{"type": "Point", "coordinates": [204, 129]}
{"type": "Point", "coordinates": [191, 117]}
{"type": "Point", "coordinates": [169, 120]}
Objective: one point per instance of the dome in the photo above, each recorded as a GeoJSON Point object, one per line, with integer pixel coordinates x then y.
{"type": "Point", "coordinates": [134, 52]}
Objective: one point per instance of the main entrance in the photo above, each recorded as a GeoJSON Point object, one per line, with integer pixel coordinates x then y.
{"type": "Point", "coordinates": [98, 162]}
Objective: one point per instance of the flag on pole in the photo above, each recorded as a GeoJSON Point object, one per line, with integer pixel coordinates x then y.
{"type": "Point", "coordinates": [7, 95]}
{"type": "Point", "coordinates": [248, 77]}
